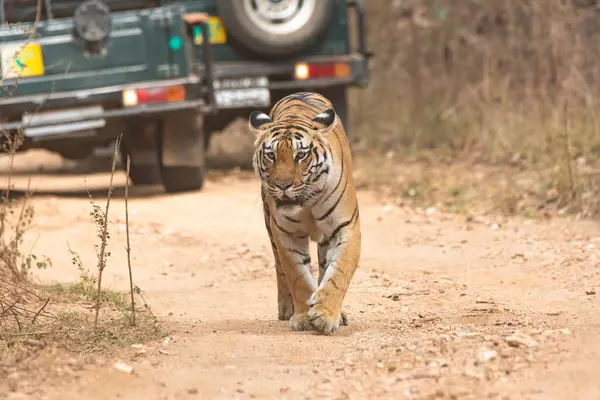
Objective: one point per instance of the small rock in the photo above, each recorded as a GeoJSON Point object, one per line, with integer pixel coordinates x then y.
{"type": "Point", "coordinates": [243, 250]}
{"type": "Point", "coordinates": [565, 331]}
{"type": "Point", "coordinates": [432, 211]}
{"type": "Point", "coordinates": [519, 339]}
{"type": "Point", "coordinates": [474, 373]}
{"type": "Point", "coordinates": [192, 391]}
{"type": "Point", "coordinates": [121, 366]}
{"type": "Point", "coordinates": [486, 355]}
{"type": "Point", "coordinates": [140, 352]}
{"type": "Point", "coordinates": [387, 208]}
{"type": "Point", "coordinates": [590, 292]}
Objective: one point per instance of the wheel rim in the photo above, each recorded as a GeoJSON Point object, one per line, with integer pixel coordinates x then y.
{"type": "Point", "coordinates": [279, 17]}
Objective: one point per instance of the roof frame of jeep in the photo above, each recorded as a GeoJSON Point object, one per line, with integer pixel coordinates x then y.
{"type": "Point", "coordinates": [16, 11]}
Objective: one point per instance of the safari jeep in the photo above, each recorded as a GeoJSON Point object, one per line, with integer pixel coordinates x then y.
{"type": "Point", "coordinates": [165, 74]}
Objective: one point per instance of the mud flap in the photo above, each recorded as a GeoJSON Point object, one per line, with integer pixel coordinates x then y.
{"type": "Point", "coordinates": [183, 140]}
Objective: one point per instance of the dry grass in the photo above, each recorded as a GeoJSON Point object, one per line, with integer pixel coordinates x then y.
{"type": "Point", "coordinates": [81, 317]}
{"type": "Point", "coordinates": [487, 97]}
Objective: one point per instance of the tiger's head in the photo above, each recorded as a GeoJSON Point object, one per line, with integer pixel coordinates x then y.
{"type": "Point", "coordinates": [293, 156]}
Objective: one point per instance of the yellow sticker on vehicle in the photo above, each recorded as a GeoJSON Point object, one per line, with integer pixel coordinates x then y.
{"type": "Point", "coordinates": [22, 60]}
{"type": "Point", "coordinates": [216, 32]}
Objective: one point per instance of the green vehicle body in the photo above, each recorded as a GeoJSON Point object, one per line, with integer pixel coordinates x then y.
{"type": "Point", "coordinates": [150, 48]}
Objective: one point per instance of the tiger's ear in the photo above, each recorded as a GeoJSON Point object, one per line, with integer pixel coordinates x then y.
{"type": "Point", "coordinates": [325, 121]}
{"type": "Point", "coordinates": [258, 120]}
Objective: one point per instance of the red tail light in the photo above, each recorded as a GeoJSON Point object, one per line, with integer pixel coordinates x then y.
{"type": "Point", "coordinates": [133, 97]}
{"type": "Point", "coordinates": [322, 70]}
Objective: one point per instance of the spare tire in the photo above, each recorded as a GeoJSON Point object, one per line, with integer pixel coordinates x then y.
{"type": "Point", "coordinates": [275, 27]}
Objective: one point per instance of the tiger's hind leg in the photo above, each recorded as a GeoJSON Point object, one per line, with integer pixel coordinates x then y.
{"type": "Point", "coordinates": [285, 301]}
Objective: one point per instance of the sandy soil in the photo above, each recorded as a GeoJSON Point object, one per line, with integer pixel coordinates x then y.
{"type": "Point", "coordinates": [441, 307]}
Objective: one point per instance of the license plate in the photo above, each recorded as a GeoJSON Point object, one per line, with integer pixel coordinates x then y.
{"type": "Point", "coordinates": [216, 32]}
{"type": "Point", "coordinates": [243, 92]}
{"type": "Point", "coordinates": [21, 61]}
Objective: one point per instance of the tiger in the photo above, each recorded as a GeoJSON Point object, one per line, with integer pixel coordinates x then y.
{"type": "Point", "coordinates": [302, 157]}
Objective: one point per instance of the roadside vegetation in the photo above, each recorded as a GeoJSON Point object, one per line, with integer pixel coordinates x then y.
{"type": "Point", "coordinates": [82, 317]}
{"type": "Point", "coordinates": [493, 106]}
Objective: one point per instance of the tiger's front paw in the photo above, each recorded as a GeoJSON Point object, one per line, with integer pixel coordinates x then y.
{"type": "Point", "coordinates": [300, 322]}
{"type": "Point", "coordinates": [322, 318]}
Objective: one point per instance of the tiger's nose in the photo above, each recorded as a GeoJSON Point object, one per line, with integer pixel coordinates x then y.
{"type": "Point", "coordinates": [284, 185]}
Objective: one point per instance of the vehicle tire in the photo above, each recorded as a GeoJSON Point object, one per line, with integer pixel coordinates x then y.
{"type": "Point", "coordinates": [140, 173]}
{"type": "Point", "coordinates": [266, 31]}
{"type": "Point", "coordinates": [182, 179]}
{"type": "Point", "coordinates": [178, 179]}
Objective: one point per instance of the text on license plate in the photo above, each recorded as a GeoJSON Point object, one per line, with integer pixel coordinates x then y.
{"type": "Point", "coordinates": [242, 92]}
{"type": "Point", "coordinates": [18, 61]}
{"type": "Point", "coordinates": [216, 32]}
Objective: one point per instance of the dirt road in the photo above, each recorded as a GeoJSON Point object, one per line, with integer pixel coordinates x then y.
{"type": "Point", "coordinates": [440, 307]}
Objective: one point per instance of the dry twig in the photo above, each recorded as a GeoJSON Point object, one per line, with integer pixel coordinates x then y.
{"type": "Point", "coordinates": [104, 234]}
{"type": "Point", "coordinates": [128, 248]}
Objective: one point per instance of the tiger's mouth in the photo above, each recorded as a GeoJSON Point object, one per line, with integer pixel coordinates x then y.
{"type": "Point", "coordinates": [285, 200]}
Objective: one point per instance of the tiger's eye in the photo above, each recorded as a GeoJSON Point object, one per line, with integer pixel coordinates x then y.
{"type": "Point", "coordinates": [301, 155]}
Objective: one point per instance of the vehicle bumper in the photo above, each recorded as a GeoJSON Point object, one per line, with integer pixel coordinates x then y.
{"type": "Point", "coordinates": [282, 74]}
{"type": "Point", "coordinates": [110, 97]}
